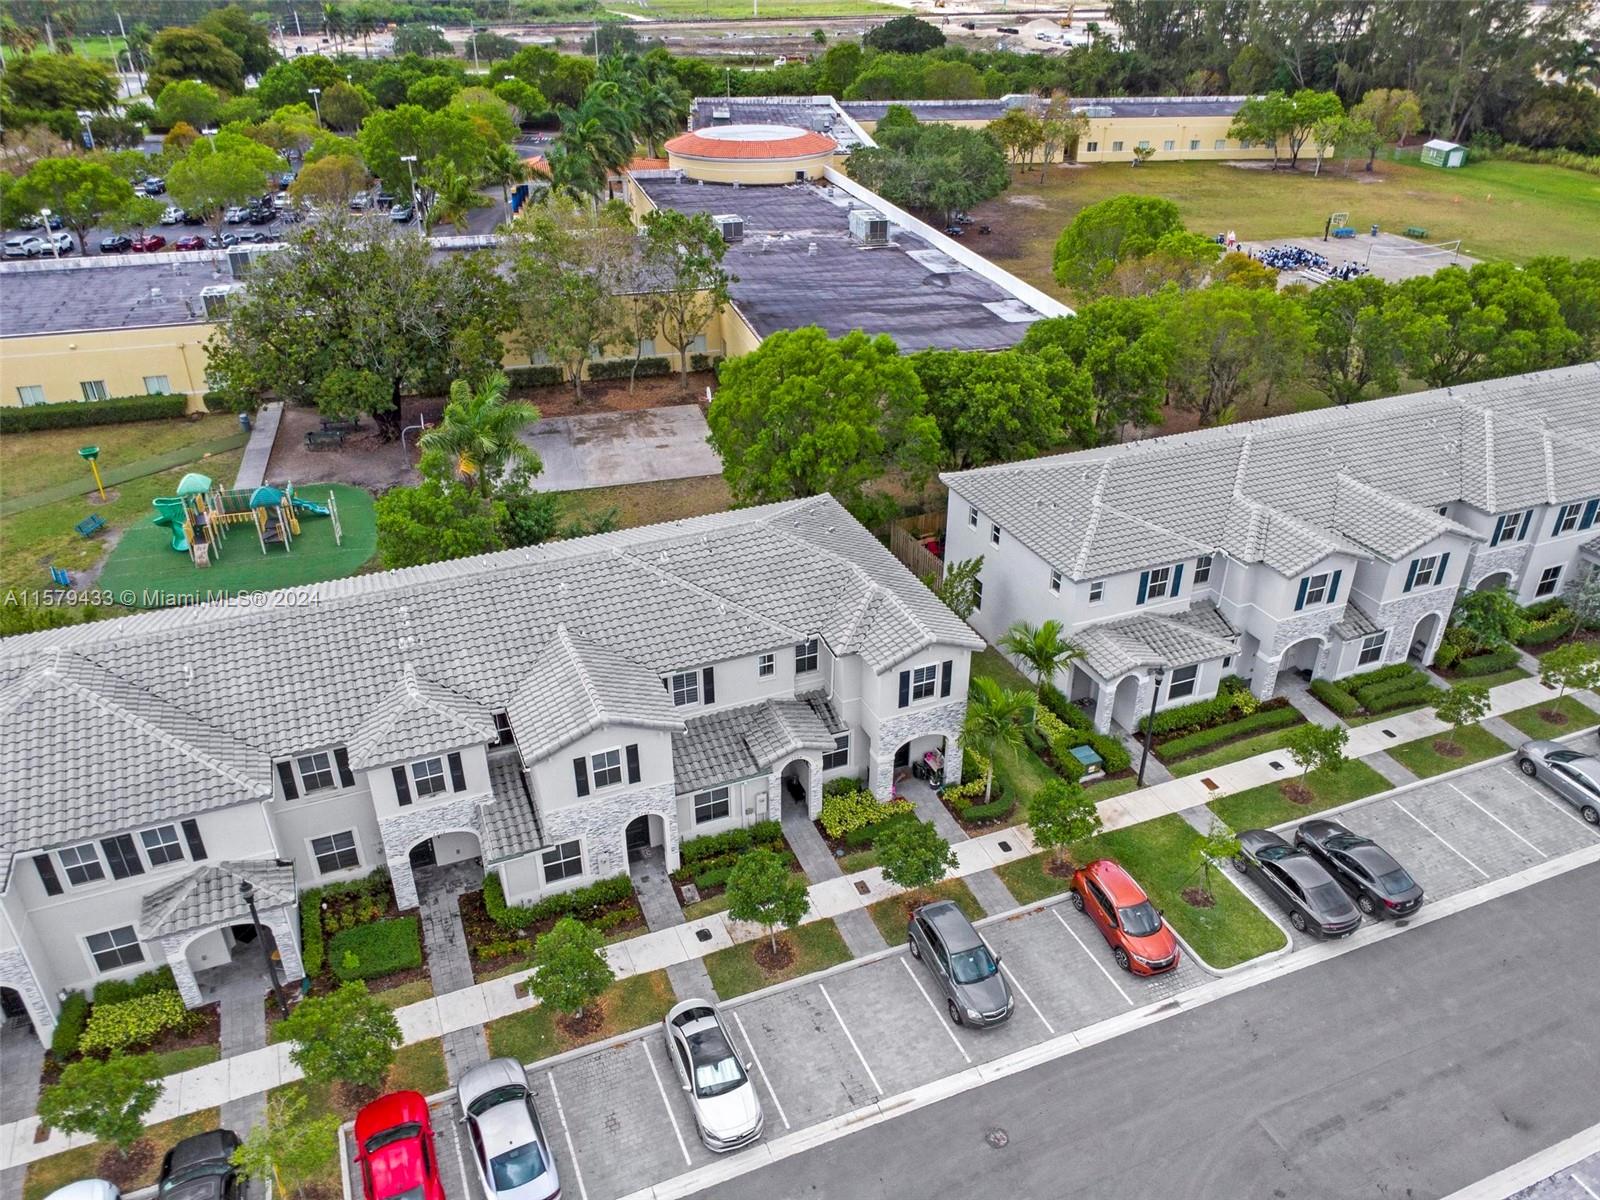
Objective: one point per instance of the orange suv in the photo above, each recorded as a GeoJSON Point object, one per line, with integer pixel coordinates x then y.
{"type": "Point", "coordinates": [1139, 939]}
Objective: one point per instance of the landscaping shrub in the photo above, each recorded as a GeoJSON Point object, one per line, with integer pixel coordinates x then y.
{"type": "Point", "coordinates": [1414, 697]}
{"type": "Point", "coordinates": [381, 948]}
{"type": "Point", "coordinates": [973, 764]}
{"type": "Point", "coordinates": [1114, 754]}
{"type": "Point", "coordinates": [1065, 710]}
{"type": "Point", "coordinates": [70, 1024]}
{"type": "Point", "coordinates": [961, 794]}
{"type": "Point", "coordinates": [714, 878]}
{"type": "Point", "coordinates": [621, 368]}
{"type": "Point", "coordinates": [1335, 697]}
{"type": "Point", "coordinates": [1395, 690]}
{"type": "Point", "coordinates": [845, 812]}
{"type": "Point", "coordinates": [311, 948]}
{"type": "Point", "coordinates": [532, 377]}
{"type": "Point", "coordinates": [1187, 718]}
{"type": "Point", "coordinates": [616, 918]}
{"type": "Point", "coordinates": [118, 410]}
{"type": "Point", "coordinates": [715, 845]}
{"type": "Point", "coordinates": [865, 835]}
{"type": "Point", "coordinates": [114, 991]}
{"type": "Point", "coordinates": [1548, 629]}
{"type": "Point", "coordinates": [703, 362]}
{"type": "Point", "coordinates": [1548, 607]}
{"type": "Point", "coordinates": [485, 951]}
{"type": "Point", "coordinates": [1205, 739]}
{"type": "Point", "coordinates": [1488, 664]}
{"type": "Point", "coordinates": [996, 810]}
{"type": "Point", "coordinates": [582, 903]}
{"type": "Point", "coordinates": [131, 1023]}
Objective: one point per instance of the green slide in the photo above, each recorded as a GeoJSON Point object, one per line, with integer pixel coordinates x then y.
{"type": "Point", "coordinates": [170, 511]}
{"type": "Point", "coordinates": [306, 506]}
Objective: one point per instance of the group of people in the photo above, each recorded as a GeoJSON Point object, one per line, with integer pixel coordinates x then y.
{"type": "Point", "coordinates": [1297, 258]}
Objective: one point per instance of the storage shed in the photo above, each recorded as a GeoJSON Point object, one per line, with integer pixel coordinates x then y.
{"type": "Point", "coordinates": [1444, 154]}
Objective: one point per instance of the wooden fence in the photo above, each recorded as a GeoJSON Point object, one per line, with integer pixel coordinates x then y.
{"type": "Point", "coordinates": [905, 543]}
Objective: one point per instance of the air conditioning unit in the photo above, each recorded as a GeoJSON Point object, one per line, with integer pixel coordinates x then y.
{"type": "Point", "coordinates": [240, 258]}
{"type": "Point", "coordinates": [868, 226]}
{"type": "Point", "coordinates": [215, 299]}
{"type": "Point", "coordinates": [730, 226]}
{"type": "Point", "coordinates": [721, 116]}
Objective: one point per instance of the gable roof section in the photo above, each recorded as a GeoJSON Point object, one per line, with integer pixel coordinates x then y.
{"type": "Point", "coordinates": [1284, 489]}
{"type": "Point", "coordinates": [85, 752]}
{"type": "Point", "coordinates": [417, 717]}
{"type": "Point", "coordinates": [738, 743]}
{"type": "Point", "coordinates": [212, 896]}
{"type": "Point", "coordinates": [1178, 639]}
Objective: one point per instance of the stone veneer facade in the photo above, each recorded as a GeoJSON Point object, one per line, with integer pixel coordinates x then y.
{"type": "Point", "coordinates": [1400, 617]}
{"type": "Point", "coordinates": [15, 973]}
{"type": "Point", "coordinates": [813, 784]}
{"type": "Point", "coordinates": [601, 821]}
{"type": "Point", "coordinates": [1290, 632]}
{"type": "Point", "coordinates": [418, 823]}
{"type": "Point", "coordinates": [282, 920]}
{"type": "Point", "coordinates": [1510, 558]}
{"type": "Point", "coordinates": [946, 719]}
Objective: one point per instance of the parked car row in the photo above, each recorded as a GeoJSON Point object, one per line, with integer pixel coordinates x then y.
{"type": "Point", "coordinates": [197, 1168]}
{"type": "Point", "coordinates": [1329, 877]}
{"type": "Point", "coordinates": [32, 245]}
{"type": "Point", "coordinates": [1571, 774]}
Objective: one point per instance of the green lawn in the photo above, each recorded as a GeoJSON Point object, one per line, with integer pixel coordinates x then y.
{"type": "Point", "coordinates": [628, 1004]}
{"type": "Point", "coordinates": [47, 458]}
{"type": "Point", "coordinates": [1107, 788]}
{"type": "Point", "coordinates": [1267, 805]}
{"type": "Point", "coordinates": [1502, 210]}
{"type": "Point", "coordinates": [1421, 757]}
{"type": "Point", "coordinates": [705, 908]}
{"type": "Point", "coordinates": [406, 993]}
{"type": "Point", "coordinates": [1028, 881]}
{"type": "Point", "coordinates": [48, 1174]}
{"type": "Point", "coordinates": [1494, 679]}
{"type": "Point", "coordinates": [173, 1061]}
{"type": "Point", "coordinates": [992, 663]}
{"type": "Point", "coordinates": [145, 566]}
{"type": "Point", "coordinates": [892, 915]}
{"type": "Point", "coordinates": [1233, 752]}
{"type": "Point", "coordinates": [817, 945]}
{"type": "Point", "coordinates": [861, 860]}
{"type": "Point", "coordinates": [649, 503]}
{"type": "Point", "coordinates": [1536, 722]}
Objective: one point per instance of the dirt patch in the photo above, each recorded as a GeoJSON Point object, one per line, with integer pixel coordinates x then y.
{"type": "Point", "coordinates": [1448, 750]}
{"type": "Point", "coordinates": [1296, 792]}
{"type": "Point", "coordinates": [1060, 868]}
{"type": "Point", "coordinates": [1554, 716]}
{"type": "Point", "coordinates": [128, 1170]}
{"type": "Point", "coordinates": [773, 959]}
{"type": "Point", "coordinates": [1197, 897]}
{"type": "Point", "coordinates": [613, 395]}
{"type": "Point", "coordinates": [585, 1025]}
{"type": "Point", "coordinates": [365, 460]}
{"type": "Point", "coordinates": [1027, 201]}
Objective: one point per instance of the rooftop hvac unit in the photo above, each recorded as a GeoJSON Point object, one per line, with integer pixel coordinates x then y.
{"type": "Point", "coordinates": [240, 258]}
{"type": "Point", "coordinates": [869, 227]}
{"type": "Point", "coordinates": [215, 299]}
{"type": "Point", "coordinates": [721, 116]}
{"type": "Point", "coordinates": [730, 226]}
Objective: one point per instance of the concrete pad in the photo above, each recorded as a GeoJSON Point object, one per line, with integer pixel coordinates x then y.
{"type": "Point", "coordinates": [202, 1087]}
{"type": "Point", "coordinates": [813, 1071]}
{"type": "Point", "coordinates": [258, 1071]}
{"type": "Point", "coordinates": [694, 946]}
{"type": "Point", "coordinates": [1064, 978]}
{"type": "Point", "coordinates": [419, 1021]}
{"type": "Point", "coordinates": [602, 449]}
{"type": "Point", "coordinates": [904, 1032]}
{"type": "Point", "coordinates": [655, 951]}
{"type": "Point", "coordinates": [500, 997]}
{"type": "Point", "coordinates": [1527, 808]}
{"type": "Point", "coordinates": [834, 896]}
{"type": "Point", "coordinates": [459, 1010]}
{"type": "Point", "coordinates": [1429, 861]}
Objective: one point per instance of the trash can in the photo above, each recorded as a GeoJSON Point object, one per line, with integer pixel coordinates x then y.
{"type": "Point", "coordinates": [244, 422]}
{"type": "Point", "coordinates": [1374, 231]}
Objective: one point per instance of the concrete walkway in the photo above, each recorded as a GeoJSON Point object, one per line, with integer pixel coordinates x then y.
{"type": "Point", "coordinates": [449, 961]}
{"type": "Point", "coordinates": [986, 886]}
{"type": "Point", "coordinates": [860, 935]}
{"type": "Point", "coordinates": [471, 1007]}
{"type": "Point", "coordinates": [1390, 768]}
{"type": "Point", "coordinates": [1299, 693]}
{"type": "Point", "coordinates": [258, 451]}
{"type": "Point", "coordinates": [658, 900]}
{"type": "Point", "coordinates": [603, 449]}
{"type": "Point", "coordinates": [21, 1061]}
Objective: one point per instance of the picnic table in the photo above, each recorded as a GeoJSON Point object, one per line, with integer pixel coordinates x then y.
{"type": "Point", "coordinates": [330, 425]}
{"type": "Point", "coordinates": [324, 439]}
{"type": "Point", "coordinates": [1416, 231]}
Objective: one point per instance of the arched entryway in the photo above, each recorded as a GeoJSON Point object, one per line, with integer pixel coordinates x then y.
{"type": "Point", "coordinates": [796, 784]}
{"type": "Point", "coordinates": [645, 837]}
{"type": "Point", "coordinates": [1125, 702]}
{"type": "Point", "coordinates": [1300, 659]}
{"type": "Point", "coordinates": [922, 758]}
{"type": "Point", "coordinates": [1493, 580]}
{"type": "Point", "coordinates": [1422, 639]}
{"type": "Point", "coordinates": [13, 1011]}
{"type": "Point", "coordinates": [233, 958]}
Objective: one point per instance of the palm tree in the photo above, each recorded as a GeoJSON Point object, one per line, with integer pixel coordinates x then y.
{"type": "Point", "coordinates": [658, 115]}
{"type": "Point", "coordinates": [1042, 648]}
{"type": "Point", "coordinates": [503, 165]}
{"type": "Point", "coordinates": [480, 433]}
{"type": "Point", "coordinates": [995, 717]}
{"type": "Point", "coordinates": [454, 196]}
{"type": "Point", "coordinates": [580, 159]}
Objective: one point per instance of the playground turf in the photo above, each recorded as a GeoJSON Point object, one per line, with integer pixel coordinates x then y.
{"type": "Point", "coordinates": [146, 567]}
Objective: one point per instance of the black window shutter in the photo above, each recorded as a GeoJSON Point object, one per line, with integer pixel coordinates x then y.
{"type": "Point", "coordinates": [905, 688]}
{"type": "Point", "coordinates": [580, 775]}
{"type": "Point", "coordinates": [122, 856]}
{"type": "Point", "coordinates": [947, 670]}
{"type": "Point", "coordinates": [1444, 563]}
{"type": "Point", "coordinates": [458, 774]}
{"type": "Point", "coordinates": [286, 778]}
{"type": "Point", "coordinates": [197, 847]}
{"type": "Point", "coordinates": [341, 759]}
{"type": "Point", "coordinates": [47, 874]}
{"type": "Point", "coordinates": [402, 789]}
{"type": "Point", "coordinates": [708, 681]}
{"type": "Point", "coordinates": [633, 751]}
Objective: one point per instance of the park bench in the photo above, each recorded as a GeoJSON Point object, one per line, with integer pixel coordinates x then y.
{"type": "Point", "coordinates": [1416, 232]}
{"type": "Point", "coordinates": [324, 439]}
{"type": "Point", "coordinates": [90, 525]}
{"type": "Point", "coordinates": [336, 426]}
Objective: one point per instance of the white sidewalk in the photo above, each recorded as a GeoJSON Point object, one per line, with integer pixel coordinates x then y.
{"type": "Point", "coordinates": [246, 1074]}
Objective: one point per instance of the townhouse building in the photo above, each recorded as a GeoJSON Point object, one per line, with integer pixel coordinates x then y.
{"type": "Point", "coordinates": [1322, 543]}
{"type": "Point", "coordinates": [549, 711]}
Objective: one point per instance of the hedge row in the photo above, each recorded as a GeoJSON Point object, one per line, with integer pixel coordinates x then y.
{"type": "Point", "coordinates": [1550, 629]}
{"type": "Point", "coordinates": [1413, 697]}
{"type": "Point", "coordinates": [715, 845]}
{"type": "Point", "coordinates": [622, 368]}
{"type": "Point", "coordinates": [611, 368]}
{"type": "Point", "coordinates": [583, 903]}
{"type": "Point", "coordinates": [1111, 751]}
{"type": "Point", "coordinates": [114, 991]}
{"type": "Point", "coordinates": [1399, 685]}
{"type": "Point", "coordinates": [313, 948]}
{"type": "Point", "coordinates": [995, 810]}
{"type": "Point", "coordinates": [376, 949]}
{"type": "Point", "coordinates": [717, 875]}
{"type": "Point", "coordinates": [1204, 739]}
{"type": "Point", "coordinates": [1066, 710]}
{"type": "Point", "coordinates": [117, 410]}
{"type": "Point", "coordinates": [1232, 693]}
{"type": "Point", "coordinates": [1488, 664]}
{"type": "Point", "coordinates": [1335, 697]}
{"type": "Point", "coordinates": [129, 1024]}
{"type": "Point", "coordinates": [1386, 695]}
{"type": "Point", "coordinates": [532, 377]}
{"type": "Point", "coordinates": [70, 1024]}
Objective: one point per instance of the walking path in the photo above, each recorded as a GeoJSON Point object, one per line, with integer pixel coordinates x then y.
{"type": "Point", "coordinates": [985, 885]}
{"type": "Point", "coordinates": [839, 896]}
{"type": "Point", "coordinates": [253, 467]}
{"type": "Point", "coordinates": [860, 935]}
{"type": "Point", "coordinates": [449, 962]}
{"type": "Point", "coordinates": [658, 900]}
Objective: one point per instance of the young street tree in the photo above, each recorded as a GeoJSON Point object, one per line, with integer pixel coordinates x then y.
{"type": "Point", "coordinates": [106, 1099]}
{"type": "Point", "coordinates": [761, 888]}
{"type": "Point", "coordinates": [913, 855]}
{"type": "Point", "coordinates": [1044, 649]}
{"type": "Point", "coordinates": [344, 1037]}
{"type": "Point", "coordinates": [1059, 814]}
{"type": "Point", "coordinates": [995, 718]}
{"type": "Point", "coordinates": [1461, 704]}
{"type": "Point", "coordinates": [1575, 665]}
{"type": "Point", "coordinates": [686, 284]}
{"type": "Point", "coordinates": [570, 968]}
{"type": "Point", "coordinates": [288, 1146]}
{"type": "Point", "coordinates": [1317, 748]}
{"type": "Point", "coordinates": [1491, 616]}
{"type": "Point", "coordinates": [1216, 847]}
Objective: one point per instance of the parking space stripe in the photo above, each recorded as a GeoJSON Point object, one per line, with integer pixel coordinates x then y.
{"type": "Point", "coordinates": [572, 1151]}
{"type": "Point", "coordinates": [850, 1037]}
{"type": "Point", "coordinates": [1021, 991]}
{"type": "Point", "coordinates": [1056, 913]}
{"type": "Point", "coordinates": [1442, 842]}
{"type": "Point", "coordinates": [671, 1116]}
{"type": "Point", "coordinates": [756, 1058]}
{"type": "Point", "coordinates": [1498, 821]}
{"type": "Point", "coordinates": [461, 1163]}
{"type": "Point", "coordinates": [1584, 1186]}
{"type": "Point", "coordinates": [1546, 797]}
{"type": "Point", "coordinates": [937, 1015]}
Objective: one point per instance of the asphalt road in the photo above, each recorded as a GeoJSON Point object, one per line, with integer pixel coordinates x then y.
{"type": "Point", "coordinates": [1408, 1068]}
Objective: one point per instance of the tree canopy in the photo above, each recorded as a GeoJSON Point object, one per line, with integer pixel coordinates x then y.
{"type": "Point", "coordinates": [1228, 342]}
{"type": "Point", "coordinates": [1123, 346]}
{"type": "Point", "coordinates": [904, 35]}
{"type": "Point", "coordinates": [82, 192]}
{"type": "Point", "coordinates": [933, 168]}
{"type": "Point", "coordinates": [1104, 234]}
{"type": "Point", "coordinates": [178, 52]}
{"type": "Point", "coordinates": [346, 1036]}
{"type": "Point", "coordinates": [997, 406]}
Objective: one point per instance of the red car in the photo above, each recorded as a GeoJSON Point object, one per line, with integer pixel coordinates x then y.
{"type": "Point", "coordinates": [148, 244]}
{"type": "Point", "coordinates": [193, 242]}
{"type": "Point", "coordinates": [394, 1148]}
{"type": "Point", "coordinates": [1139, 939]}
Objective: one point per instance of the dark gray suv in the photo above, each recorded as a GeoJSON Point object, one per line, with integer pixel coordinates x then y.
{"type": "Point", "coordinates": [966, 970]}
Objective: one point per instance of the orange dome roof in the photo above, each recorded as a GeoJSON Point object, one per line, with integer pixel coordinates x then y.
{"type": "Point", "coordinates": [751, 142]}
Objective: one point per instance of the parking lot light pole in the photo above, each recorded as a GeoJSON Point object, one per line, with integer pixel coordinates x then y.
{"type": "Point", "coordinates": [411, 173]}
{"type": "Point", "coordinates": [211, 136]}
{"type": "Point", "coordinates": [1157, 676]}
{"type": "Point", "coordinates": [49, 236]}
{"type": "Point", "coordinates": [316, 98]}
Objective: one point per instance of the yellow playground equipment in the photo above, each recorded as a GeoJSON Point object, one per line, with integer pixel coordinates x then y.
{"type": "Point", "coordinates": [200, 514]}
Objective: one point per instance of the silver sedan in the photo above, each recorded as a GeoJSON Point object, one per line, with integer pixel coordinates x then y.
{"type": "Point", "coordinates": [508, 1142]}
{"type": "Point", "coordinates": [727, 1111]}
{"type": "Point", "coordinates": [1571, 774]}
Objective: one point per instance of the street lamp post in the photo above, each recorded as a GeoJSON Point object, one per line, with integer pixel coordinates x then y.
{"type": "Point", "coordinates": [411, 174]}
{"type": "Point", "coordinates": [316, 98]}
{"type": "Point", "coordinates": [248, 891]}
{"type": "Point", "coordinates": [49, 233]}
{"type": "Point", "coordinates": [1158, 676]}
{"type": "Point", "coordinates": [84, 117]}
{"type": "Point", "coordinates": [211, 136]}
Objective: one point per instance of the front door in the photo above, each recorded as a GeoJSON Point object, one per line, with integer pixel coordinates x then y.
{"type": "Point", "coordinates": [902, 756]}
{"type": "Point", "coordinates": [423, 855]}
{"type": "Point", "coordinates": [638, 835]}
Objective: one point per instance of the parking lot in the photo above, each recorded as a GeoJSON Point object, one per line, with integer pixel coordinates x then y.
{"type": "Point", "coordinates": [618, 1121]}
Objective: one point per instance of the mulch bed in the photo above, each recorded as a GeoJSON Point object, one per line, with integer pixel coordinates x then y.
{"type": "Point", "coordinates": [206, 1031]}
{"type": "Point", "coordinates": [1446, 749]}
{"type": "Point", "coordinates": [1062, 869]}
{"type": "Point", "coordinates": [481, 929]}
{"type": "Point", "coordinates": [611, 395]}
{"type": "Point", "coordinates": [1296, 792]}
{"type": "Point", "coordinates": [128, 1170]}
{"type": "Point", "coordinates": [1196, 897]}
{"type": "Point", "coordinates": [584, 1026]}
{"type": "Point", "coordinates": [1554, 716]}
{"type": "Point", "coordinates": [773, 960]}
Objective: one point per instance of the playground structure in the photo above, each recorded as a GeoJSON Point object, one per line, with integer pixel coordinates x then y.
{"type": "Point", "coordinates": [200, 515]}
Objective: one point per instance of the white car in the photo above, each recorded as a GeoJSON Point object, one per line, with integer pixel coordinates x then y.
{"type": "Point", "coordinates": [63, 243]}
{"type": "Point", "coordinates": [25, 245]}
{"type": "Point", "coordinates": [359, 201]}
{"type": "Point", "coordinates": [86, 1189]}
{"type": "Point", "coordinates": [508, 1143]}
{"type": "Point", "coordinates": [727, 1111]}
{"type": "Point", "coordinates": [236, 215]}
{"type": "Point", "coordinates": [173, 215]}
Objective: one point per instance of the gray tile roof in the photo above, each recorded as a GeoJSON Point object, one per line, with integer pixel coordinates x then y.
{"type": "Point", "coordinates": [1289, 490]}
{"type": "Point", "coordinates": [211, 896]}
{"type": "Point", "coordinates": [1591, 549]}
{"type": "Point", "coordinates": [1356, 623]}
{"type": "Point", "coordinates": [417, 716]}
{"type": "Point", "coordinates": [84, 751]}
{"type": "Point", "coordinates": [737, 743]}
{"type": "Point", "coordinates": [1179, 639]}
{"type": "Point", "coordinates": [510, 822]}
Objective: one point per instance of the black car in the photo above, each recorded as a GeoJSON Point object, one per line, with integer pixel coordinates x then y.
{"type": "Point", "coordinates": [117, 243]}
{"type": "Point", "coordinates": [262, 216]}
{"type": "Point", "coordinates": [256, 236]}
{"type": "Point", "coordinates": [1363, 868]}
{"type": "Point", "coordinates": [201, 1168]}
{"type": "Point", "coordinates": [1299, 883]}
{"type": "Point", "coordinates": [193, 218]}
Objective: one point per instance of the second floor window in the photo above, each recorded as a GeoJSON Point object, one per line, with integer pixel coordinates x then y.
{"type": "Point", "coordinates": [1512, 527]}
{"type": "Point", "coordinates": [994, 535]}
{"type": "Point", "coordinates": [161, 845]}
{"type": "Point", "coordinates": [764, 666]}
{"type": "Point", "coordinates": [686, 687]}
{"type": "Point", "coordinates": [972, 512]}
{"type": "Point", "coordinates": [1160, 580]}
{"type": "Point", "coordinates": [805, 656]}
{"type": "Point", "coordinates": [1055, 582]}
{"type": "Point", "coordinates": [606, 767]}
{"type": "Point", "coordinates": [1202, 568]}
{"type": "Point", "coordinates": [82, 864]}
{"type": "Point", "coordinates": [1426, 569]}
{"type": "Point", "coordinates": [923, 682]}
{"type": "Point", "coordinates": [1097, 591]}
{"type": "Point", "coordinates": [1567, 518]}
{"type": "Point", "coordinates": [427, 777]}
{"type": "Point", "coordinates": [316, 772]}
{"type": "Point", "coordinates": [1317, 589]}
